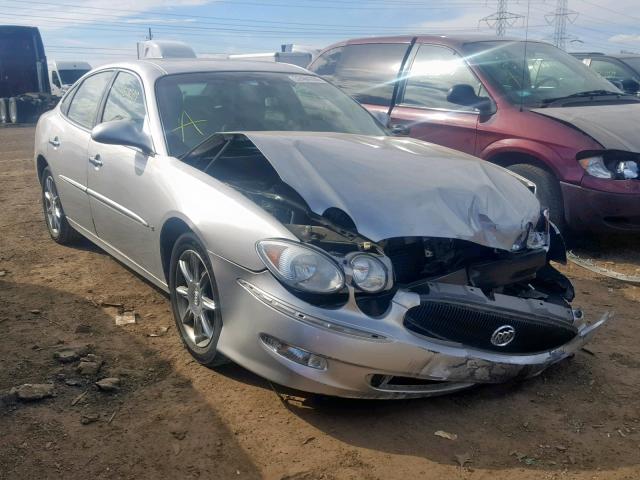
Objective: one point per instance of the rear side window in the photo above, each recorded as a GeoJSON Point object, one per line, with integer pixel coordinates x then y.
{"type": "Point", "coordinates": [367, 72]}
{"type": "Point", "coordinates": [85, 103]}
{"type": "Point", "coordinates": [125, 100]}
{"type": "Point", "coordinates": [611, 70]}
{"type": "Point", "coordinates": [433, 72]}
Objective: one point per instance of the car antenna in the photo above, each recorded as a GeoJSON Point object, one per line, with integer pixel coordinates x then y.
{"type": "Point", "coordinates": [524, 59]}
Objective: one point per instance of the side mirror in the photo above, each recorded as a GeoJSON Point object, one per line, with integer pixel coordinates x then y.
{"type": "Point", "coordinates": [122, 132]}
{"type": "Point", "coordinates": [382, 117]}
{"type": "Point", "coordinates": [464, 94]}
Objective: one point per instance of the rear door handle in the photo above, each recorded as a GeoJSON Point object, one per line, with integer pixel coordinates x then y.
{"type": "Point", "coordinates": [54, 141]}
{"type": "Point", "coordinates": [95, 161]}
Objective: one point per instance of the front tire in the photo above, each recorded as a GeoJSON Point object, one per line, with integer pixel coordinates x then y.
{"type": "Point", "coordinates": [195, 300]}
{"type": "Point", "coordinates": [547, 191]}
{"type": "Point", "coordinates": [55, 219]}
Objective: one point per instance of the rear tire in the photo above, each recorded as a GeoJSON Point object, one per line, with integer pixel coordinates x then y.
{"type": "Point", "coordinates": [13, 110]}
{"type": "Point", "coordinates": [4, 114]}
{"type": "Point", "coordinates": [22, 110]}
{"type": "Point", "coordinates": [54, 217]}
{"type": "Point", "coordinates": [195, 300]}
{"type": "Point", "coordinates": [547, 191]}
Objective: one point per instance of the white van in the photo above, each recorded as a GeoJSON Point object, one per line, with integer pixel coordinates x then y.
{"type": "Point", "coordinates": [64, 74]}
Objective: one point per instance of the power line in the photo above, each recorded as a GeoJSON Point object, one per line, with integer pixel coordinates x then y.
{"type": "Point", "coordinates": [559, 19]}
{"type": "Point", "coordinates": [501, 19]}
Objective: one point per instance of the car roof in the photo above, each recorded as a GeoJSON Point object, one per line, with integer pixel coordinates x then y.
{"type": "Point", "coordinates": [152, 69]}
{"type": "Point", "coordinates": [451, 40]}
{"type": "Point", "coordinates": [600, 54]}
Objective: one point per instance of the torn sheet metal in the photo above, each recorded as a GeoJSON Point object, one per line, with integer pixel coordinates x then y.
{"type": "Point", "coordinates": [401, 187]}
{"type": "Point", "coordinates": [615, 127]}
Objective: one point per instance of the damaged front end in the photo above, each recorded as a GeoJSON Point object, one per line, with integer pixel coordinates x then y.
{"type": "Point", "coordinates": [489, 307]}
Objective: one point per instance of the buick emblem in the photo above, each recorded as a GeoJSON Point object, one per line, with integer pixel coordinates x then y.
{"type": "Point", "coordinates": [503, 336]}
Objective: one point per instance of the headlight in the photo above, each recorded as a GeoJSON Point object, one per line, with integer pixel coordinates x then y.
{"type": "Point", "coordinates": [598, 167]}
{"type": "Point", "coordinates": [368, 273]}
{"type": "Point", "coordinates": [301, 267]}
{"type": "Point", "coordinates": [595, 167]}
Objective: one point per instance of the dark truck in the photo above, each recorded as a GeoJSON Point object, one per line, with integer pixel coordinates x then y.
{"type": "Point", "coordinates": [24, 84]}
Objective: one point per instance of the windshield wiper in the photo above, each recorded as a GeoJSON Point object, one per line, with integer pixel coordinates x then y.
{"type": "Point", "coordinates": [589, 93]}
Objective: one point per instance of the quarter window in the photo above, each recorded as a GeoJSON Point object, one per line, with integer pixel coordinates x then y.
{"type": "Point", "coordinates": [125, 100]}
{"type": "Point", "coordinates": [433, 72]}
{"type": "Point", "coordinates": [85, 103]}
{"type": "Point", "coordinates": [367, 72]}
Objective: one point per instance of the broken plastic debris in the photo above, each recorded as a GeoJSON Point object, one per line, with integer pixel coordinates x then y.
{"type": "Point", "coordinates": [447, 435]}
{"type": "Point", "coordinates": [126, 318]}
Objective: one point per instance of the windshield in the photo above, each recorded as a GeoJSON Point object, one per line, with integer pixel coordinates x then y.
{"type": "Point", "coordinates": [70, 77]}
{"type": "Point", "coordinates": [550, 73]}
{"type": "Point", "coordinates": [196, 105]}
{"type": "Point", "coordinates": [633, 62]}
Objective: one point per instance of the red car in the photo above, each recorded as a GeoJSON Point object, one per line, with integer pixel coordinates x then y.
{"type": "Point", "coordinates": [555, 122]}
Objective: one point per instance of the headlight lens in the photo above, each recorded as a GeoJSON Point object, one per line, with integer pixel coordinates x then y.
{"type": "Point", "coordinates": [368, 273]}
{"type": "Point", "coordinates": [595, 167]}
{"type": "Point", "coordinates": [301, 267]}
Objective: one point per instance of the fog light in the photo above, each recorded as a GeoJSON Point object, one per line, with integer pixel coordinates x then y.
{"type": "Point", "coordinates": [294, 354]}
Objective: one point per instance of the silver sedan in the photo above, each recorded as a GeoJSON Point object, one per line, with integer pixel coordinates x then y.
{"type": "Point", "coordinates": [298, 239]}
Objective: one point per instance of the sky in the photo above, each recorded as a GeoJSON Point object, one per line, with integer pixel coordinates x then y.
{"type": "Point", "coordinates": [100, 31]}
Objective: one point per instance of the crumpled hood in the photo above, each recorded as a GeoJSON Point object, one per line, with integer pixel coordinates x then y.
{"type": "Point", "coordinates": [614, 127]}
{"type": "Point", "coordinates": [397, 187]}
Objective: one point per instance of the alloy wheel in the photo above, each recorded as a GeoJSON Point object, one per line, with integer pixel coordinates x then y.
{"type": "Point", "coordinates": [196, 302]}
{"type": "Point", "coordinates": [52, 207]}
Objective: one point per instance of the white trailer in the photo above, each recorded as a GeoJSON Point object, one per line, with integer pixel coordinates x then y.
{"type": "Point", "coordinates": [63, 74]}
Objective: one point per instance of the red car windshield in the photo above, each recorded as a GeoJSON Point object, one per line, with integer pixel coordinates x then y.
{"type": "Point", "coordinates": [550, 73]}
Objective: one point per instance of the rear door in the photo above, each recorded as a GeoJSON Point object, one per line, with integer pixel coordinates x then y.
{"type": "Point", "coordinates": [422, 105]}
{"type": "Point", "coordinates": [67, 150]}
{"type": "Point", "coordinates": [368, 72]}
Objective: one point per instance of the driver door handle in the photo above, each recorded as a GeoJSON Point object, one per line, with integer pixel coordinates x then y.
{"type": "Point", "coordinates": [95, 160]}
{"type": "Point", "coordinates": [54, 141]}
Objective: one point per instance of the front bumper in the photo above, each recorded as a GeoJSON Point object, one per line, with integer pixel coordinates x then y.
{"type": "Point", "coordinates": [597, 210]}
{"type": "Point", "coordinates": [366, 357]}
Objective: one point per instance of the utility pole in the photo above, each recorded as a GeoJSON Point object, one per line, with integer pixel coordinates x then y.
{"type": "Point", "coordinates": [150, 36]}
{"type": "Point", "coordinates": [559, 19]}
{"type": "Point", "coordinates": [502, 19]}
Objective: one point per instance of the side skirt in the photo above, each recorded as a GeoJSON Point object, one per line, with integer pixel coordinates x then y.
{"type": "Point", "coordinates": [119, 255]}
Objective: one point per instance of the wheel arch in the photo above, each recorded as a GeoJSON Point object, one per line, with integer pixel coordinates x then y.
{"type": "Point", "coordinates": [508, 152]}
{"type": "Point", "coordinates": [171, 230]}
{"type": "Point", "coordinates": [41, 164]}
{"type": "Point", "coordinates": [507, 158]}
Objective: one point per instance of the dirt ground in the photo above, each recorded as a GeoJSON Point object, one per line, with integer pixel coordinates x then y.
{"type": "Point", "coordinates": [175, 419]}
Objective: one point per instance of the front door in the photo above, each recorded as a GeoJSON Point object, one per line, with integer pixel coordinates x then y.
{"type": "Point", "coordinates": [422, 106]}
{"type": "Point", "coordinates": [118, 179]}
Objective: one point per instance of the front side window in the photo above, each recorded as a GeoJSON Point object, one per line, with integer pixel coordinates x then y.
{"type": "Point", "coordinates": [125, 100]}
{"type": "Point", "coordinates": [367, 72]}
{"type": "Point", "coordinates": [433, 72]}
{"type": "Point", "coordinates": [85, 102]}
{"type": "Point", "coordinates": [545, 75]}
{"type": "Point", "coordinates": [194, 106]}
